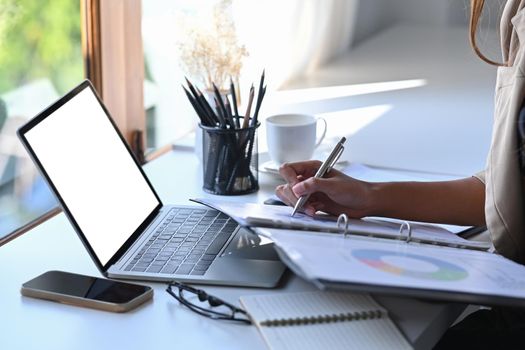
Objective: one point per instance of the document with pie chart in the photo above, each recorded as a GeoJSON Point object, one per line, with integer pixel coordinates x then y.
{"type": "Point", "coordinates": [399, 268]}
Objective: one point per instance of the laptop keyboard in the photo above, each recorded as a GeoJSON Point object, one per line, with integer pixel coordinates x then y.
{"type": "Point", "coordinates": [186, 243]}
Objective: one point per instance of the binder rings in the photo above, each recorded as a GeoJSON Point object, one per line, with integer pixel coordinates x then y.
{"type": "Point", "coordinates": [257, 215]}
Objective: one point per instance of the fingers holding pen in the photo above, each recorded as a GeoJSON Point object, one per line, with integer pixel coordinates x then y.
{"type": "Point", "coordinates": [296, 172]}
{"type": "Point", "coordinates": [285, 193]}
{"type": "Point", "coordinates": [309, 186]}
{"type": "Point", "coordinates": [322, 194]}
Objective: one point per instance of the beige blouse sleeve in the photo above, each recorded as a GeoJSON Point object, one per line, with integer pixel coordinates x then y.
{"type": "Point", "coordinates": [480, 176]}
{"type": "Point", "coordinates": [505, 197]}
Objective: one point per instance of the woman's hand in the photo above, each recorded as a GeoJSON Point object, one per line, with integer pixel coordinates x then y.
{"type": "Point", "coordinates": [336, 193]}
{"type": "Point", "coordinates": [459, 202]}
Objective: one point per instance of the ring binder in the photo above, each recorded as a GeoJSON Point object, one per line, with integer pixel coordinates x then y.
{"type": "Point", "coordinates": [270, 216]}
{"type": "Point", "coordinates": [343, 219]}
{"type": "Point", "coordinates": [406, 225]}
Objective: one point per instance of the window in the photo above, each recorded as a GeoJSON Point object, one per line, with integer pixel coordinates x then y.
{"type": "Point", "coordinates": [40, 59]}
{"type": "Point", "coordinates": [168, 114]}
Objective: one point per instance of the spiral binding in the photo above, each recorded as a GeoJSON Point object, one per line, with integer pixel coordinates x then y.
{"type": "Point", "coordinates": [353, 316]}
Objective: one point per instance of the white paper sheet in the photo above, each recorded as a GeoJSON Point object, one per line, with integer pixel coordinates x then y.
{"type": "Point", "coordinates": [386, 263]}
{"type": "Point", "coordinates": [258, 215]}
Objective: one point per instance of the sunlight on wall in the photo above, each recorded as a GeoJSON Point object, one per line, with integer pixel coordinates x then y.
{"type": "Point", "coordinates": [329, 92]}
{"type": "Point", "coordinates": [341, 123]}
{"type": "Point", "coordinates": [350, 121]}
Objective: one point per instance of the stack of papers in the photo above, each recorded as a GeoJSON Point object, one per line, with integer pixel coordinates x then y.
{"type": "Point", "coordinates": [390, 267]}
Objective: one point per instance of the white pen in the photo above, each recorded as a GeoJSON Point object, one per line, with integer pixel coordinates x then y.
{"type": "Point", "coordinates": [325, 168]}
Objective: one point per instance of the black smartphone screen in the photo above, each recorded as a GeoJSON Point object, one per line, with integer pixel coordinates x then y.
{"type": "Point", "coordinates": [86, 287]}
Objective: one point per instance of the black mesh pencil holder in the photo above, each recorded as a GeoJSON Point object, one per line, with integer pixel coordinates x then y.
{"type": "Point", "coordinates": [230, 162]}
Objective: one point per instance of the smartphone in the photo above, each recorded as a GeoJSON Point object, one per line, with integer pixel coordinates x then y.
{"type": "Point", "coordinates": [87, 291]}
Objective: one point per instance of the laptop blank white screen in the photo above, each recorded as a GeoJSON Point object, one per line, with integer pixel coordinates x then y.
{"type": "Point", "coordinates": [93, 172]}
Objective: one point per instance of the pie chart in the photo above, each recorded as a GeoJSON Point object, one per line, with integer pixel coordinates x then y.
{"type": "Point", "coordinates": [410, 265]}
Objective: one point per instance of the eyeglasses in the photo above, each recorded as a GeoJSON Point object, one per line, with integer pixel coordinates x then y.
{"type": "Point", "coordinates": [212, 301]}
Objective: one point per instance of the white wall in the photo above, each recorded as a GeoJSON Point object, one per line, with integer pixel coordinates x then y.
{"type": "Point", "coordinates": [371, 18]}
{"type": "Point", "coordinates": [442, 126]}
{"type": "Point", "coordinates": [375, 15]}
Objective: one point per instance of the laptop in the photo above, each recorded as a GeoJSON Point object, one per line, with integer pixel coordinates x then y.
{"type": "Point", "coordinates": [122, 222]}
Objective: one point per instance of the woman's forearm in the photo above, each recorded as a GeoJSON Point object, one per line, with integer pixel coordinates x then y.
{"type": "Point", "coordinates": [459, 202]}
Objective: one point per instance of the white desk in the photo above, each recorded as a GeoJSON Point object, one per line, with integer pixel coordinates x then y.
{"type": "Point", "coordinates": [27, 323]}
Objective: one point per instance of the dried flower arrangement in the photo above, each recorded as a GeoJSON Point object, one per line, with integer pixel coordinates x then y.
{"type": "Point", "coordinates": [210, 52]}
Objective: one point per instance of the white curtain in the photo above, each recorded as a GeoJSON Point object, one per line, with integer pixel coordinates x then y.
{"type": "Point", "coordinates": [292, 37]}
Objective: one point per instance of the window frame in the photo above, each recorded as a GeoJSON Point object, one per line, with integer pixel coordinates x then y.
{"type": "Point", "coordinates": [114, 62]}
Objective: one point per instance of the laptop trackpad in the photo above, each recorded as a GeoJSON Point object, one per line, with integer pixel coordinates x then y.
{"type": "Point", "coordinates": [247, 245]}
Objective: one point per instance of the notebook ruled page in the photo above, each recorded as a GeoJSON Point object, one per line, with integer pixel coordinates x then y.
{"type": "Point", "coordinates": [368, 326]}
{"type": "Point", "coordinates": [363, 334]}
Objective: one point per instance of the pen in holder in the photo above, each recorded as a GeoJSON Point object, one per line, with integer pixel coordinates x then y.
{"type": "Point", "coordinates": [230, 161]}
{"type": "Point", "coordinates": [229, 141]}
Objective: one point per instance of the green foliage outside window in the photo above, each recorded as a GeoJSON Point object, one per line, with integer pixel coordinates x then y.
{"type": "Point", "coordinates": [40, 39]}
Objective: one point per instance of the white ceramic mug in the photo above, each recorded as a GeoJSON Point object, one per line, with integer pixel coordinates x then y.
{"type": "Point", "coordinates": [292, 137]}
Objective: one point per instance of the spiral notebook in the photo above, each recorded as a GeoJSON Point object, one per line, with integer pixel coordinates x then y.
{"type": "Point", "coordinates": [323, 320]}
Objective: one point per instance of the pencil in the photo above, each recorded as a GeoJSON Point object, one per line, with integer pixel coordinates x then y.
{"type": "Point", "coordinates": [246, 120]}
{"type": "Point", "coordinates": [261, 83]}
{"type": "Point", "coordinates": [190, 85]}
{"type": "Point", "coordinates": [220, 104]}
{"type": "Point", "coordinates": [260, 95]}
{"type": "Point", "coordinates": [202, 116]}
{"type": "Point", "coordinates": [258, 106]}
{"type": "Point", "coordinates": [222, 117]}
{"type": "Point", "coordinates": [207, 107]}
{"type": "Point", "coordinates": [200, 101]}
{"type": "Point", "coordinates": [234, 102]}
{"type": "Point", "coordinates": [192, 88]}
{"type": "Point", "coordinates": [228, 109]}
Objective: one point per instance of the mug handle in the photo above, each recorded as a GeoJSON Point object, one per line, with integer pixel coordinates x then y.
{"type": "Point", "coordinates": [324, 131]}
